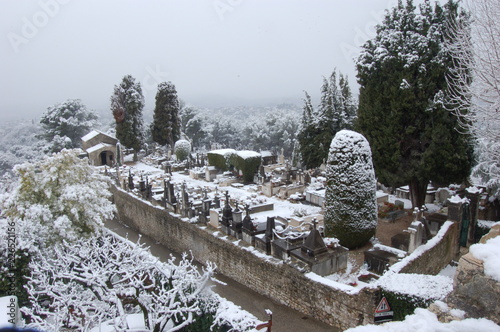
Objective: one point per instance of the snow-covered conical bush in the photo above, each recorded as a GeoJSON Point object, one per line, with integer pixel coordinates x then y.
{"type": "Point", "coordinates": [182, 149]}
{"type": "Point", "coordinates": [350, 202]}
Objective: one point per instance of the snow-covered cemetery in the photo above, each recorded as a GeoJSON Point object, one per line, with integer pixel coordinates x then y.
{"type": "Point", "coordinates": [376, 210]}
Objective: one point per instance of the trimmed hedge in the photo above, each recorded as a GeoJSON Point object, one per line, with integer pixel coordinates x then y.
{"type": "Point", "coordinates": [248, 166]}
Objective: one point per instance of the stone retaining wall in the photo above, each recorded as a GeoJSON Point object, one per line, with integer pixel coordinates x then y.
{"type": "Point", "coordinates": [268, 276]}
{"type": "Point", "coordinates": [436, 255]}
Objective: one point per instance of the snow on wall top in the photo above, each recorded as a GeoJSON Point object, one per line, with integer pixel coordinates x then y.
{"type": "Point", "coordinates": [248, 154]}
{"type": "Point", "coordinates": [223, 152]}
{"type": "Point", "coordinates": [422, 285]}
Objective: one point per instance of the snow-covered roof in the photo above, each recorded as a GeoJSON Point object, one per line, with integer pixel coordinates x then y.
{"type": "Point", "coordinates": [265, 154]}
{"type": "Point", "coordinates": [248, 154]}
{"type": "Point", "coordinates": [100, 146]}
{"type": "Point", "coordinates": [222, 152]}
{"type": "Point", "coordinates": [93, 134]}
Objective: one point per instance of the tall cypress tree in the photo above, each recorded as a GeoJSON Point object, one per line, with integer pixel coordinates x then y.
{"type": "Point", "coordinates": [402, 105]}
{"type": "Point", "coordinates": [166, 126]}
{"type": "Point", "coordinates": [127, 103]}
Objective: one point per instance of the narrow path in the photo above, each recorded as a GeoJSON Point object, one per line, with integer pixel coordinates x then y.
{"type": "Point", "coordinates": [284, 318]}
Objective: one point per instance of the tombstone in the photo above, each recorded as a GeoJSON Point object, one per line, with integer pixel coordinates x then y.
{"type": "Point", "coordinates": [236, 224]}
{"type": "Point", "coordinates": [168, 169]}
{"type": "Point", "coordinates": [214, 218]}
{"type": "Point", "coordinates": [263, 241]}
{"type": "Point", "coordinates": [401, 241]}
{"type": "Point", "coordinates": [400, 204]}
{"type": "Point", "coordinates": [282, 157]}
{"type": "Point", "coordinates": [248, 229]}
{"type": "Point", "coordinates": [416, 231]}
{"type": "Point", "coordinates": [131, 185]}
{"type": "Point", "coordinates": [142, 185]}
{"type": "Point", "coordinates": [227, 216]}
{"type": "Point", "coordinates": [205, 209]}
{"type": "Point", "coordinates": [307, 178]}
{"type": "Point", "coordinates": [320, 259]}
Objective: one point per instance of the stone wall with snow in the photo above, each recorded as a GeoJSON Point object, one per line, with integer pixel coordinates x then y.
{"type": "Point", "coordinates": [339, 305]}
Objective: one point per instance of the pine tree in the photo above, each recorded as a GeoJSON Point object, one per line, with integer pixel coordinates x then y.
{"type": "Point", "coordinates": [166, 126]}
{"type": "Point", "coordinates": [66, 123]}
{"type": "Point", "coordinates": [312, 156]}
{"type": "Point", "coordinates": [336, 111]}
{"type": "Point", "coordinates": [402, 112]}
{"type": "Point", "coordinates": [350, 199]}
{"type": "Point", "coordinates": [127, 103]}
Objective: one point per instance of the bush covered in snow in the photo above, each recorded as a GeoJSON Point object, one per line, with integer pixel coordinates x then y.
{"type": "Point", "coordinates": [182, 149]}
{"type": "Point", "coordinates": [108, 278]}
{"type": "Point", "coordinates": [350, 199]}
{"type": "Point", "coordinates": [60, 197]}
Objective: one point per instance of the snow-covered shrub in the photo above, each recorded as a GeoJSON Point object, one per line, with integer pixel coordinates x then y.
{"type": "Point", "coordinates": [182, 149]}
{"type": "Point", "coordinates": [60, 197]}
{"type": "Point", "coordinates": [106, 278]}
{"type": "Point", "coordinates": [350, 199]}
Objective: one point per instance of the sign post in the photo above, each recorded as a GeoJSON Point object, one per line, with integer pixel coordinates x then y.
{"type": "Point", "coordinates": [383, 313]}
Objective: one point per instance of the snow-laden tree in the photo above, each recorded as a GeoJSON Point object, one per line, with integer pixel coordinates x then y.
{"type": "Point", "coordinates": [336, 111]}
{"type": "Point", "coordinates": [127, 103]}
{"type": "Point", "coordinates": [101, 278]}
{"type": "Point", "coordinates": [350, 199]}
{"type": "Point", "coordinates": [166, 125]}
{"type": "Point", "coordinates": [402, 102]}
{"type": "Point", "coordinates": [475, 85]}
{"type": "Point", "coordinates": [66, 123]}
{"type": "Point", "coordinates": [58, 198]}
{"type": "Point", "coordinates": [182, 149]}
{"type": "Point", "coordinates": [193, 125]}
{"type": "Point", "coordinates": [19, 142]}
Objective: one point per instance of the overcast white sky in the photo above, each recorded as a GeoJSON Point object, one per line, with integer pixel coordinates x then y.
{"type": "Point", "coordinates": [216, 52]}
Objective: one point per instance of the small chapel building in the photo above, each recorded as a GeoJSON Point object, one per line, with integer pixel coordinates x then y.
{"type": "Point", "coordinates": [101, 148]}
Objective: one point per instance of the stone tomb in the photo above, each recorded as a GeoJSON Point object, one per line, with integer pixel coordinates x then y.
{"type": "Point", "coordinates": [379, 260]}
{"type": "Point", "coordinates": [282, 247]}
{"type": "Point", "coordinates": [263, 241]}
{"type": "Point", "coordinates": [320, 259]}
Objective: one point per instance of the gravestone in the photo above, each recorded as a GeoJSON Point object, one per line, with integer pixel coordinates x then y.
{"type": "Point", "coordinates": [227, 216]}
{"type": "Point", "coordinates": [131, 185]}
{"type": "Point", "coordinates": [416, 231]}
{"type": "Point", "coordinates": [214, 218]}
{"type": "Point", "coordinates": [236, 224]}
{"type": "Point", "coordinates": [263, 241]}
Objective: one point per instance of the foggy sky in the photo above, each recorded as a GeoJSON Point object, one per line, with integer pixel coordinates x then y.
{"type": "Point", "coordinates": [216, 52]}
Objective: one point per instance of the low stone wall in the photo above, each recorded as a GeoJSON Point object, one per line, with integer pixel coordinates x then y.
{"type": "Point", "coordinates": [433, 256]}
{"type": "Point", "coordinates": [270, 277]}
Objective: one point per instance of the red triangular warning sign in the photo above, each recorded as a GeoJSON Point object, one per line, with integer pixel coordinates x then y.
{"type": "Point", "coordinates": [383, 306]}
